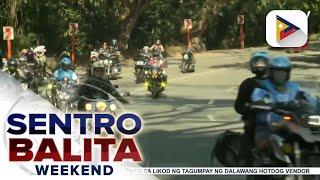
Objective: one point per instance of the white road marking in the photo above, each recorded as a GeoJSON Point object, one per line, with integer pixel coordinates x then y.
{"type": "Point", "coordinates": [211, 101]}
{"type": "Point", "coordinates": [210, 117]}
{"type": "Point", "coordinates": [232, 89]}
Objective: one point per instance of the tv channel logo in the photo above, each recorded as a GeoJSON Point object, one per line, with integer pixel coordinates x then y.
{"type": "Point", "coordinates": [286, 28]}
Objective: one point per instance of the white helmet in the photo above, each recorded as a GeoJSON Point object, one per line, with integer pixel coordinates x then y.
{"type": "Point", "coordinates": [145, 49]}
{"type": "Point", "coordinates": [40, 50]}
{"type": "Point", "coordinates": [94, 54]}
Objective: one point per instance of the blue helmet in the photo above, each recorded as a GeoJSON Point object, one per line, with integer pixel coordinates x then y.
{"type": "Point", "coordinates": [280, 62]}
{"type": "Point", "coordinates": [259, 62]}
{"type": "Point", "coordinates": [279, 68]}
{"type": "Point", "coordinates": [66, 61]}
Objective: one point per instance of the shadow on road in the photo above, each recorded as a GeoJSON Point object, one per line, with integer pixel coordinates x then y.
{"type": "Point", "coordinates": [179, 109]}
{"type": "Point", "coordinates": [185, 147]}
{"type": "Point", "coordinates": [162, 148]}
{"type": "Point", "coordinates": [233, 66]}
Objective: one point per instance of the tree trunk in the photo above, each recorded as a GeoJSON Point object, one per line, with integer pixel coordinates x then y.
{"type": "Point", "coordinates": [209, 10]}
{"type": "Point", "coordinates": [136, 8]}
{"type": "Point", "coordinates": [125, 32]}
{"type": "Point", "coordinates": [12, 6]}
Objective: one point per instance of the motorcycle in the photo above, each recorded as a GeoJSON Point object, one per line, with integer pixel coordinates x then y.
{"type": "Point", "coordinates": [293, 142]}
{"type": "Point", "coordinates": [62, 94]}
{"type": "Point", "coordinates": [157, 55]}
{"type": "Point", "coordinates": [187, 62]}
{"type": "Point", "coordinates": [100, 105]}
{"type": "Point", "coordinates": [113, 65]}
{"type": "Point", "coordinates": [139, 67]}
{"type": "Point", "coordinates": [41, 61]}
{"type": "Point", "coordinates": [155, 81]}
{"type": "Point", "coordinates": [33, 78]}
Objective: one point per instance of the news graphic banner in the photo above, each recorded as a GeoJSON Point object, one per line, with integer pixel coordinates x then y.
{"type": "Point", "coordinates": [224, 171]}
{"type": "Point", "coordinates": [286, 28]}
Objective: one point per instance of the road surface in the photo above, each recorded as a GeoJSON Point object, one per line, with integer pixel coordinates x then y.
{"type": "Point", "coordinates": [180, 127]}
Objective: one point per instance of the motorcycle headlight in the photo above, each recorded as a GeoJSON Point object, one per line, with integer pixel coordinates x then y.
{"type": "Point", "coordinates": [146, 84]}
{"type": "Point", "coordinates": [164, 72]}
{"type": "Point", "coordinates": [145, 72]}
{"type": "Point", "coordinates": [105, 62]}
{"type": "Point", "coordinates": [113, 107]}
{"type": "Point", "coordinates": [88, 107]}
{"type": "Point", "coordinates": [101, 106]}
{"type": "Point", "coordinates": [50, 86]}
{"type": "Point", "coordinates": [163, 84]}
{"type": "Point", "coordinates": [110, 62]}
{"type": "Point", "coordinates": [287, 118]}
{"type": "Point", "coordinates": [314, 120]}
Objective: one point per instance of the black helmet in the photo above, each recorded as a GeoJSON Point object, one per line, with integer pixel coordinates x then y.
{"type": "Point", "coordinates": [65, 54]}
{"type": "Point", "coordinates": [23, 60]}
{"type": "Point", "coordinates": [259, 62]}
{"type": "Point", "coordinates": [12, 64]}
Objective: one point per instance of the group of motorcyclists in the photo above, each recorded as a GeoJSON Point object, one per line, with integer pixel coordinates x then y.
{"type": "Point", "coordinates": [259, 98]}
{"type": "Point", "coordinates": [28, 67]}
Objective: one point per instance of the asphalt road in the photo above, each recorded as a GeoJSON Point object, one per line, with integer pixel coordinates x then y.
{"type": "Point", "coordinates": [180, 128]}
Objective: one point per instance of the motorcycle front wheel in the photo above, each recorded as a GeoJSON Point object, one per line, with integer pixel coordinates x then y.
{"type": "Point", "coordinates": [155, 90]}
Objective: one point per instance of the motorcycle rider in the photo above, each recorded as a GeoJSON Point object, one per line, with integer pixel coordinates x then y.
{"type": "Point", "coordinates": [157, 47]}
{"type": "Point", "coordinates": [145, 51]}
{"type": "Point", "coordinates": [101, 86]}
{"type": "Point", "coordinates": [29, 54]}
{"type": "Point", "coordinates": [104, 48]}
{"type": "Point", "coordinates": [65, 71]}
{"type": "Point", "coordinates": [23, 66]}
{"type": "Point", "coordinates": [258, 65]}
{"type": "Point", "coordinates": [190, 50]}
{"type": "Point", "coordinates": [114, 46]}
{"type": "Point", "coordinates": [40, 58]}
{"type": "Point", "coordinates": [12, 68]}
{"type": "Point", "coordinates": [280, 93]}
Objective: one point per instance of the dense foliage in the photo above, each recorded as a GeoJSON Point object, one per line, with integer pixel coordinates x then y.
{"type": "Point", "coordinates": [138, 22]}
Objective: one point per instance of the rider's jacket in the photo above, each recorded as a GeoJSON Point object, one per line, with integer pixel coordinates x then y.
{"type": "Point", "coordinates": [268, 94]}
{"type": "Point", "coordinates": [59, 74]}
